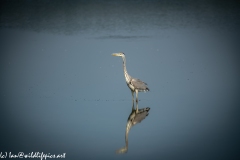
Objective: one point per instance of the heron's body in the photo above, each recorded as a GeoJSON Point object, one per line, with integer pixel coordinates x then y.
{"type": "Point", "coordinates": [134, 84]}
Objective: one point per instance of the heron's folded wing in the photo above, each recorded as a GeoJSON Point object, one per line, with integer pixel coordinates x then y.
{"type": "Point", "coordinates": [137, 83]}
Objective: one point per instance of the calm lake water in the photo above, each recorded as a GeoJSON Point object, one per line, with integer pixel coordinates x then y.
{"type": "Point", "coordinates": [63, 92]}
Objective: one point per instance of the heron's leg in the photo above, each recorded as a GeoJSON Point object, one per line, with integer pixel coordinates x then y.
{"type": "Point", "coordinates": [132, 96]}
{"type": "Point", "coordinates": [133, 105]}
{"type": "Point", "coordinates": [136, 96]}
{"type": "Point", "coordinates": [136, 101]}
{"type": "Point", "coordinates": [136, 108]}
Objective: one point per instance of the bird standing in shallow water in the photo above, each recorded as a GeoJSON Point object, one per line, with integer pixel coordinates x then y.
{"type": "Point", "coordinates": [135, 85]}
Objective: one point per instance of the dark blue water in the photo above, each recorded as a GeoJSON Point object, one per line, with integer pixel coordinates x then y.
{"type": "Point", "coordinates": [63, 92]}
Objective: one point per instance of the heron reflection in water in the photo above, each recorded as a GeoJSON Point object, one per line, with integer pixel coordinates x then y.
{"type": "Point", "coordinates": [134, 84]}
{"type": "Point", "coordinates": [133, 119]}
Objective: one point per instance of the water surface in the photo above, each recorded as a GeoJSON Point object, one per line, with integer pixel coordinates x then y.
{"type": "Point", "coordinates": [63, 92]}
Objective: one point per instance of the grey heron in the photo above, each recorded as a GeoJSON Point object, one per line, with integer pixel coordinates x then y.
{"type": "Point", "coordinates": [134, 84]}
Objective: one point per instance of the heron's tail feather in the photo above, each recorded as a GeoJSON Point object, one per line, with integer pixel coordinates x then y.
{"type": "Point", "coordinates": [146, 90]}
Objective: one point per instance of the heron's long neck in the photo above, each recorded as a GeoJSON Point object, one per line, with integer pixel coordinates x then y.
{"type": "Point", "coordinates": [127, 77]}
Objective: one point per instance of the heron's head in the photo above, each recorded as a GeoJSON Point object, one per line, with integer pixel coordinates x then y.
{"type": "Point", "coordinates": [120, 54]}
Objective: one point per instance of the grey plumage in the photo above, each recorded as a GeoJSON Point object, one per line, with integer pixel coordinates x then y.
{"type": "Point", "coordinates": [140, 85]}
{"type": "Point", "coordinates": [134, 84]}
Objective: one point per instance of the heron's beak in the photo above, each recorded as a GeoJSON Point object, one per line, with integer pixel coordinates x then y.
{"type": "Point", "coordinates": [115, 54]}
